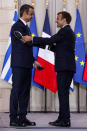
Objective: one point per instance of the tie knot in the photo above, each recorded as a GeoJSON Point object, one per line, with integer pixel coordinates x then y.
{"type": "Point", "coordinates": [27, 27]}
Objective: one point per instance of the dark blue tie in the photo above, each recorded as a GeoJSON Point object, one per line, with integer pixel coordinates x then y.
{"type": "Point", "coordinates": [27, 28]}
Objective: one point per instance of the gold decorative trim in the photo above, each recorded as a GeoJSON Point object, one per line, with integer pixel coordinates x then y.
{"type": "Point", "coordinates": [64, 4]}
{"type": "Point", "coordinates": [15, 3]}
{"type": "Point", "coordinates": [46, 4]}
{"type": "Point", "coordinates": [77, 3]}
{"type": "Point", "coordinates": [33, 3]}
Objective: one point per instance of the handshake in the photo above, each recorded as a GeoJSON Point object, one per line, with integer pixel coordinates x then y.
{"type": "Point", "coordinates": [23, 38]}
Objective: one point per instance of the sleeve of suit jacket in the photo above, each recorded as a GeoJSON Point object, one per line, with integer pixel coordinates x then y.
{"type": "Point", "coordinates": [37, 41]}
{"type": "Point", "coordinates": [21, 30]}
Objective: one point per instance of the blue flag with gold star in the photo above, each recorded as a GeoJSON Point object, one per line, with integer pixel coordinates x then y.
{"type": "Point", "coordinates": [79, 51]}
{"type": "Point", "coordinates": [33, 30]}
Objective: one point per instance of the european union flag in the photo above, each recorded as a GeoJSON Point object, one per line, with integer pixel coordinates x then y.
{"type": "Point", "coordinates": [33, 30]}
{"type": "Point", "coordinates": [79, 51]}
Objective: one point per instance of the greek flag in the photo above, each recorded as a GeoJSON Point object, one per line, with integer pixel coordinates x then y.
{"type": "Point", "coordinates": [6, 73]}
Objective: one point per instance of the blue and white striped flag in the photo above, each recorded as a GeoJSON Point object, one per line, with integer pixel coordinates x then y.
{"type": "Point", "coordinates": [6, 73]}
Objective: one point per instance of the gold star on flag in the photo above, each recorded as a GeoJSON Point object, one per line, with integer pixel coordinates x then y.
{"type": "Point", "coordinates": [76, 58]}
{"type": "Point", "coordinates": [78, 35]}
{"type": "Point", "coordinates": [82, 63]}
{"type": "Point", "coordinates": [33, 35]}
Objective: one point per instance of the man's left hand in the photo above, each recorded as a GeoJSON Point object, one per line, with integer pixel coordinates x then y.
{"type": "Point", "coordinates": [36, 64]}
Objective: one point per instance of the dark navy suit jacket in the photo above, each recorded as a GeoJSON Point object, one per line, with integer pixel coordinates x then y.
{"type": "Point", "coordinates": [22, 53]}
{"type": "Point", "coordinates": [64, 49]}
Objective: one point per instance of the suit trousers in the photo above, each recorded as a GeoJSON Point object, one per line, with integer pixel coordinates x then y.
{"type": "Point", "coordinates": [64, 79]}
{"type": "Point", "coordinates": [20, 93]}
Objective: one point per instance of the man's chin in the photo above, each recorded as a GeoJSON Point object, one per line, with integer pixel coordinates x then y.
{"type": "Point", "coordinates": [29, 20]}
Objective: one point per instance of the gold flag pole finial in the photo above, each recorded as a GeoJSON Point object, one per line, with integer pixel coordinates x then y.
{"type": "Point", "coordinates": [15, 2]}
{"type": "Point", "coordinates": [64, 4]}
{"type": "Point", "coordinates": [33, 2]}
{"type": "Point", "coordinates": [46, 4]}
{"type": "Point", "coordinates": [77, 3]}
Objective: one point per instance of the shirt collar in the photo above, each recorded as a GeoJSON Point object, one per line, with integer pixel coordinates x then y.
{"type": "Point", "coordinates": [65, 25]}
{"type": "Point", "coordinates": [23, 21]}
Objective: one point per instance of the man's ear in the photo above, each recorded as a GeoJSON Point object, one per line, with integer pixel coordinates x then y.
{"type": "Point", "coordinates": [24, 13]}
{"type": "Point", "coordinates": [65, 20]}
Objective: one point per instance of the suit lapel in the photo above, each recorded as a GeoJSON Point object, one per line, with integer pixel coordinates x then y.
{"type": "Point", "coordinates": [26, 27]}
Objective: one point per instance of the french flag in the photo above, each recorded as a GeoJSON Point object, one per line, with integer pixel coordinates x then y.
{"type": "Point", "coordinates": [47, 76]}
{"type": "Point", "coordinates": [85, 71]}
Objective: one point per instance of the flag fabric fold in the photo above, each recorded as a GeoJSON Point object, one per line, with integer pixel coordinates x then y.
{"type": "Point", "coordinates": [79, 51]}
{"type": "Point", "coordinates": [46, 77]}
{"type": "Point", "coordinates": [6, 73]}
{"type": "Point", "coordinates": [33, 30]}
{"type": "Point", "coordinates": [85, 71]}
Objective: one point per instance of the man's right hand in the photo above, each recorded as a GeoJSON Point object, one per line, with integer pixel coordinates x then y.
{"type": "Point", "coordinates": [27, 38]}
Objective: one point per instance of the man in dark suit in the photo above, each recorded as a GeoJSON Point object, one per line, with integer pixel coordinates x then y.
{"type": "Point", "coordinates": [64, 63]}
{"type": "Point", "coordinates": [21, 62]}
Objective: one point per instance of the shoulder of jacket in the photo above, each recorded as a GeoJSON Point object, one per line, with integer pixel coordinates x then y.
{"type": "Point", "coordinates": [17, 24]}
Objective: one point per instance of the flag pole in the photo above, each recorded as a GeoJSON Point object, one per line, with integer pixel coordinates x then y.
{"type": "Point", "coordinates": [30, 88]}
{"type": "Point", "coordinates": [15, 3]}
{"type": "Point", "coordinates": [46, 4]}
{"type": "Point", "coordinates": [45, 109]}
{"type": "Point", "coordinates": [64, 5]}
{"type": "Point", "coordinates": [77, 3]}
{"type": "Point", "coordinates": [86, 98]}
{"type": "Point", "coordinates": [33, 3]}
{"type": "Point", "coordinates": [78, 108]}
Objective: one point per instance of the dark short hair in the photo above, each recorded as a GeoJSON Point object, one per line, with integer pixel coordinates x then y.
{"type": "Point", "coordinates": [66, 15]}
{"type": "Point", "coordinates": [25, 8]}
